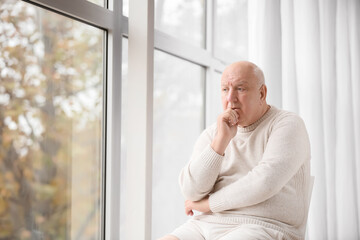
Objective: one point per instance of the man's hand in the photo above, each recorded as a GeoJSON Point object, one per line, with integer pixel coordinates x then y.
{"type": "Point", "coordinates": [226, 130]}
{"type": "Point", "coordinates": [201, 206]}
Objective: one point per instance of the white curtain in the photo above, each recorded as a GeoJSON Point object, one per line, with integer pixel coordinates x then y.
{"type": "Point", "coordinates": [310, 53]}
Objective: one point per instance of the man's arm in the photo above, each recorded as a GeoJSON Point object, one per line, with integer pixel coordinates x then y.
{"type": "Point", "coordinates": [287, 149]}
{"type": "Point", "coordinates": [198, 177]}
{"type": "Point", "coordinates": [201, 206]}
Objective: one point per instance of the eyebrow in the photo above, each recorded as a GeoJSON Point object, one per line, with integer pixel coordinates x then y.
{"type": "Point", "coordinates": [241, 83]}
{"type": "Point", "coordinates": [236, 84]}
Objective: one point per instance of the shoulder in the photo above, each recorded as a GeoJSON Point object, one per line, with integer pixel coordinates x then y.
{"type": "Point", "coordinates": [286, 117]}
{"type": "Point", "coordinates": [288, 125]}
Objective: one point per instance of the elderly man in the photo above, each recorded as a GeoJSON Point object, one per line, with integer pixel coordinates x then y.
{"type": "Point", "coordinates": [249, 173]}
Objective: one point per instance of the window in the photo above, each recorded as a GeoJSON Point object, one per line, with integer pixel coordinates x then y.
{"type": "Point", "coordinates": [126, 8]}
{"type": "Point", "coordinates": [182, 19]}
{"type": "Point", "coordinates": [178, 120]}
{"type": "Point", "coordinates": [51, 116]}
{"type": "Point", "coordinates": [231, 43]}
{"type": "Point", "coordinates": [213, 101]}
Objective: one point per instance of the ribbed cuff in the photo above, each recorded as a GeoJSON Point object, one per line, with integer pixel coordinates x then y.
{"type": "Point", "coordinates": [211, 159]}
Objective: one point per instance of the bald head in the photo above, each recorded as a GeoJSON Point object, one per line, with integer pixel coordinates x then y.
{"type": "Point", "coordinates": [243, 89]}
{"type": "Point", "coordinates": [245, 69]}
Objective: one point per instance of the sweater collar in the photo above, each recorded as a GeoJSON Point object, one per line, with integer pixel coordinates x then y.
{"type": "Point", "coordinates": [257, 122]}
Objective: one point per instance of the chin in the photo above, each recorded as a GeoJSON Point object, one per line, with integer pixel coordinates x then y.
{"type": "Point", "coordinates": [241, 125]}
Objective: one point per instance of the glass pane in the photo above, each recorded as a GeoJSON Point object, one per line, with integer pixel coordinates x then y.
{"type": "Point", "coordinates": [230, 43]}
{"type": "Point", "coordinates": [51, 108]}
{"type": "Point", "coordinates": [178, 121]}
{"type": "Point", "coordinates": [213, 98]}
{"type": "Point", "coordinates": [182, 19]}
{"type": "Point", "coordinates": [126, 8]}
{"type": "Point", "coordinates": [98, 2]}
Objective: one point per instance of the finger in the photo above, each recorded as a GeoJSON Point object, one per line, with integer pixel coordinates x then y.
{"type": "Point", "coordinates": [236, 113]}
{"type": "Point", "coordinates": [189, 212]}
{"type": "Point", "coordinates": [234, 120]}
{"type": "Point", "coordinates": [228, 115]}
{"type": "Point", "coordinates": [237, 116]}
{"type": "Point", "coordinates": [232, 117]}
{"type": "Point", "coordinates": [188, 207]}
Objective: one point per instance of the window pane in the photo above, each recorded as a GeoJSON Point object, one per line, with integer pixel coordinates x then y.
{"type": "Point", "coordinates": [178, 121]}
{"type": "Point", "coordinates": [213, 98]}
{"type": "Point", "coordinates": [126, 8]}
{"type": "Point", "coordinates": [98, 2]}
{"type": "Point", "coordinates": [51, 108]}
{"type": "Point", "coordinates": [230, 43]}
{"type": "Point", "coordinates": [182, 19]}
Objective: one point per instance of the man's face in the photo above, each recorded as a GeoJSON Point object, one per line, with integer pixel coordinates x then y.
{"type": "Point", "coordinates": [240, 90]}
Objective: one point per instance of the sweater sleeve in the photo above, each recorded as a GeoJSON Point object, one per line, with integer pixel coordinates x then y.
{"type": "Point", "coordinates": [198, 177]}
{"type": "Point", "coordinates": [286, 151]}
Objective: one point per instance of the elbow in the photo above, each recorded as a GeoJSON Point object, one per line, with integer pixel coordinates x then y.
{"type": "Point", "coordinates": [192, 194]}
{"type": "Point", "coordinates": [189, 190]}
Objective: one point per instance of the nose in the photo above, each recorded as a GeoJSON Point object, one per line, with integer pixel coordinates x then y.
{"type": "Point", "coordinates": [231, 97]}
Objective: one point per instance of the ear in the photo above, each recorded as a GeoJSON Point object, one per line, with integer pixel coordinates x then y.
{"type": "Point", "coordinates": [263, 92]}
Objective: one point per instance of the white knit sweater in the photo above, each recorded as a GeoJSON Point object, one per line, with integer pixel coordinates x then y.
{"type": "Point", "coordinates": [263, 178]}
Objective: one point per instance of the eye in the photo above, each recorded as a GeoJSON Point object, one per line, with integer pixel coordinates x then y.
{"type": "Point", "coordinates": [241, 89]}
{"type": "Point", "coordinates": [224, 89]}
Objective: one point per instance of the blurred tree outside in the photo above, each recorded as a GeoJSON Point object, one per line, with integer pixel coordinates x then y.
{"type": "Point", "coordinates": [51, 107]}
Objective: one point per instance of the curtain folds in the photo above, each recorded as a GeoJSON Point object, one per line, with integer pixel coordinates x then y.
{"type": "Point", "coordinates": [345, 175]}
{"type": "Point", "coordinates": [265, 45]}
{"type": "Point", "coordinates": [310, 53]}
{"type": "Point", "coordinates": [328, 72]}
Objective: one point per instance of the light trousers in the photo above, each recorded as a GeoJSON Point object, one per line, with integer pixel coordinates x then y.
{"type": "Point", "coordinates": [201, 230]}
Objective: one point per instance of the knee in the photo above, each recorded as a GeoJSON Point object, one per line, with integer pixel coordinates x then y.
{"type": "Point", "coordinates": [169, 237]}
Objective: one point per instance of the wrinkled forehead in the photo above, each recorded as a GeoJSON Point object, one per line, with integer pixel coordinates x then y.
{"type": "Point", "coordinates": [238, 77]}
